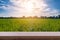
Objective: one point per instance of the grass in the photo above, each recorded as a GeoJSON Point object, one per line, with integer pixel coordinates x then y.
{"type": "Point", "coordinates": [29, 25]}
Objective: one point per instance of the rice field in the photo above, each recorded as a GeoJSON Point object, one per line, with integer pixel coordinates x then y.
{"type": "Point", "coordinates": [29, 25]}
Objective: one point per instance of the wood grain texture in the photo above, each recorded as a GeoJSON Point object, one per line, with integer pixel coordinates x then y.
{"type": "Point", "coordinates": [29, 37]}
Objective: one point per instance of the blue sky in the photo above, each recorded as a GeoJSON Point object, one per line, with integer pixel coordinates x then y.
{"type": "Point", "coordinates": [54, 4]}
{"type": "Point", "coordinates": [14, 8]}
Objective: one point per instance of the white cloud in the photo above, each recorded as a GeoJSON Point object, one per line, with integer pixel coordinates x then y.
{"type": "Point", "coordinates": [40, 8]}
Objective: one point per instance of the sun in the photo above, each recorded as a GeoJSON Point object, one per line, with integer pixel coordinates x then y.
{"type": "Point", "coordinates": [28, 6]}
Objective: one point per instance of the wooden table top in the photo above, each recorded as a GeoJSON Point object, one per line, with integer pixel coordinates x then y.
{"type": "Point", "coordinates": [29, 37]}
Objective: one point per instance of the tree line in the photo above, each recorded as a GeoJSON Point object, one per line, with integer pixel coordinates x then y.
{"type": "Point", "coordinates": [43, 17]}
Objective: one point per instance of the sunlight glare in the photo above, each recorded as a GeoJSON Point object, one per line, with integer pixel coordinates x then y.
{"type": "Point", "coordinates": [28, 6]}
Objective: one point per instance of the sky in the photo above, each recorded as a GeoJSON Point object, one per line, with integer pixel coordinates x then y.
{"type": "Point", "coordinates": [18, 8]}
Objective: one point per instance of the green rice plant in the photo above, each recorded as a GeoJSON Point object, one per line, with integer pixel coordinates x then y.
{"type": "Point", "coordinates": [29, 25]}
